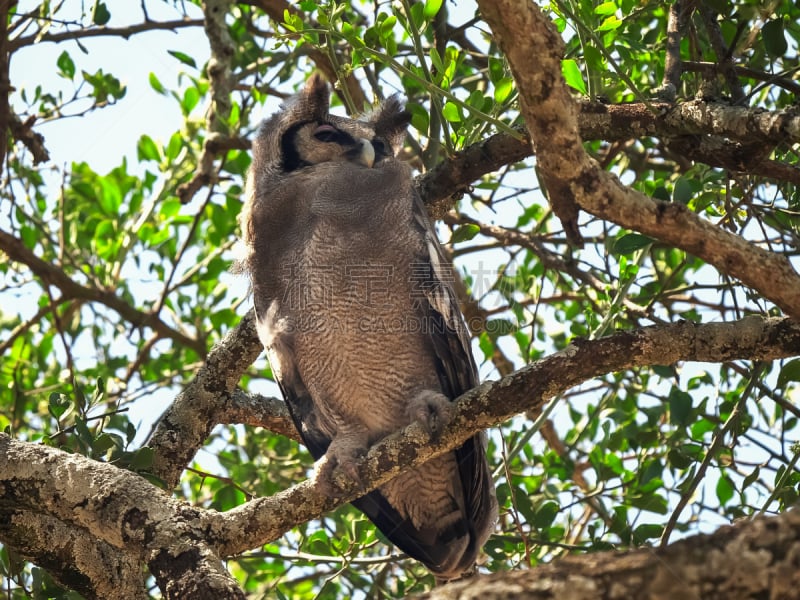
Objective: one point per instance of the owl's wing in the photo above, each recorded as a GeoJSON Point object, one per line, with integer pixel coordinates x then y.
{"type": "Point", "coordinates": [457, 374]}
{"type": "Point", "coordinates": [438, 310]}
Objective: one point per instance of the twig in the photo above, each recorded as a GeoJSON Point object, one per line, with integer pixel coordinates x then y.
{"type": "Point", "coordinates": [124, 32]}
{"type": "Point", "coordinates": [716, 443]}
{"type": "Point", "coordinates": [709, 16]}
{"type": "Point", "coordinates": [51, 274]}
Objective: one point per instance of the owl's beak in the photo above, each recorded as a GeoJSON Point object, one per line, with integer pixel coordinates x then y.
{"type": "Point", "coordinates": [366, 156]}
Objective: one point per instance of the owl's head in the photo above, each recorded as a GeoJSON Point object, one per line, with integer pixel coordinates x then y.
{"type": "Point", "coordinates": [303, 133]}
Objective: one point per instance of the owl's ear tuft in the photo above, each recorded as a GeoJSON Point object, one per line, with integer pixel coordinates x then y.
{"type": "Point", "coordinates": [315, 97]}
{"type": "Point", "coordinates": [390, 121]}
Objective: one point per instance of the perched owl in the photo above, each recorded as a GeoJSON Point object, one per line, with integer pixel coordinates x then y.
{"type": "Point", "coordinates": [359, 321]}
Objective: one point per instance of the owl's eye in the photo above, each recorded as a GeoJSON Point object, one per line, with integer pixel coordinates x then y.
{"type": "Point", "coordinates": [327, 133]}
{"type": "Point", "coordinates": [381, 149]}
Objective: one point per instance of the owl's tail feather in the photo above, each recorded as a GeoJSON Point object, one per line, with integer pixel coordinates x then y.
{"type": "Point", "coordinates": [450, 546]}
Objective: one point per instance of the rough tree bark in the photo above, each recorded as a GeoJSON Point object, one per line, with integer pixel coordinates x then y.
{"type": "Point", "coordinates": [754, 559]}
{"type": "Point", "coordinates": [93, 525]}
{"type": "Point", "coordinates": [184, 546]}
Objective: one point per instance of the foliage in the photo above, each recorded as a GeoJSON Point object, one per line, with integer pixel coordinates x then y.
{"type": "Point", "coordinates": [142, 292]}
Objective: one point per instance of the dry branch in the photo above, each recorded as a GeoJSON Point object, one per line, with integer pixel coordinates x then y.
{"type": "Point", "coordinates": [87, 32]}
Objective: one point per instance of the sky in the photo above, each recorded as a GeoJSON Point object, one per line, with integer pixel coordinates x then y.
{"type": "Point", "coordinates": [114, 129]}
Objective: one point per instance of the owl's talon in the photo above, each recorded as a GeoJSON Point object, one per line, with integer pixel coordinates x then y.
{"type": "Point", "coordinates": [432, 410]}
{"type": "Point", "coordinates": [337, 471]}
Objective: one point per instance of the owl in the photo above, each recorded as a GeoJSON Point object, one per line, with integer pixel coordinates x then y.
{"type": "Point", "coordinates": [359, 321]}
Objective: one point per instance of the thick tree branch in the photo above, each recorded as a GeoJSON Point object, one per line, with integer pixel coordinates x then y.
{"type": "Point", "coordinates": [712, 69]}
{"type": "Point", "coordinates": [127, 512]}
{"type": "Point", "coordinates": [258, 411]}
{"type": "Point", "coordinates": [752, 559]}
{"type": "Point", "coordinates": [551, 116]}
{"type": "Point", "coordinates": [753, 338]}
{"type": "Point", "coordinates": [695, 117]}
{"type": "Point", "coordinates": [185, 425]}
{"type": "Point", "coordinates": [50, 274]}
{"type": "Point", "coordinates": [120, 508]}
{"type": "Point", "coordinates": [611, 122]}
{"type": "Point", "coordinates": [75, 558]}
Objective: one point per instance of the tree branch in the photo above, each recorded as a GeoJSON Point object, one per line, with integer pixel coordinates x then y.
{"type": "Point", "coordinates": [33, 141]}
{"type": "Point", "coordinates": [75, 558]}
{"type": "Point", "coordinates": [124, 32]}
{"type": "Point", "coordinates": [5, 82]}
{"type": "Point", "coordinates": [612, 122]}
{"type": "Point", "coordinates": [221, 85]}
{"type": "Point", "coordinates": [120, 508]}
{"type": "Point", "coordinates": [127, 512]}
{"type": "Point", "coordinates": [205, 402]}
{"type": "Point", "coordinates": [551, 116]}
{"type": "Point", "coordinates": [752, 559]}
{"type": "Point", "coordinates": [49, 273]}
{"type": "Point", "coordinates": [753, 338]}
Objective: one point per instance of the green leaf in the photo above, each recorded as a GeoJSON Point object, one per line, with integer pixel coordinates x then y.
{"type": "Point", "coordinates": [789, 372]}
{"type": "Point", "coordinates": [751, 478]}
{"type": "Point", "coordinates": [647, 531]}
{"type": "Point", "coordinates": [436, 61]}
{"type": "Point", "coordinates": [680, 407]}
{"type": "Point", "coordinates": [503, 89]}
{"type": "Point", "coordinates": [183, 57]}
{"type": "Point", "coordinates": [630, 242]}
{"type": "Point", "coordinates": [156, 84]}
{"type": "Point", "coordinates": [573, 76]}
{"type": "Point", "coordinates": [606, 8]}
{"type": "Point", "coordinates": [545, 515]}
{"type": "Point", "coordinates": [499, 327]}
{"type": "Point", "coordinates": [432, 8]}
{"type": "Point", "coordinates": [100, 15]}
{"type": "Point", "coordinates": [725, 489]}
{"type": "Point", "coordinates": [650, 502]}
{"type": "Point", "coordinates": [111, 196]}
{"type": "Point", "coordinates": [58, 405]}
{"type": "Point", "coordinates": [228, 497]}
{"type": "Point", "coordinates": [190, 99]}
{"type": "Point", "coordinates": [682, 191]}
{"type": "Point", "coordinates": [102, 443]}
{"type": "Point", "coordinates": [679, 460]}
{"type": "Point", "coordinates": [464, 233]}
{"type": "Point", "coordinates": [99, 390]}
{"type": "Point", "coordinates": [774, 38]}
{"type": "Point", "coordinates": [141, 460]}
{"type": "Point", "coordinates": [387, 26]}
{"type": "Point", "coordinates": [147, 149]}
{"type": "Point", "coordinates": [451, 112]}
{"type": "Point", "coordinates": [65, 65]}
{"type": "Point", "coordinates": [174, 146]}
{"type": "Point", "coordinates": [610, 23]}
